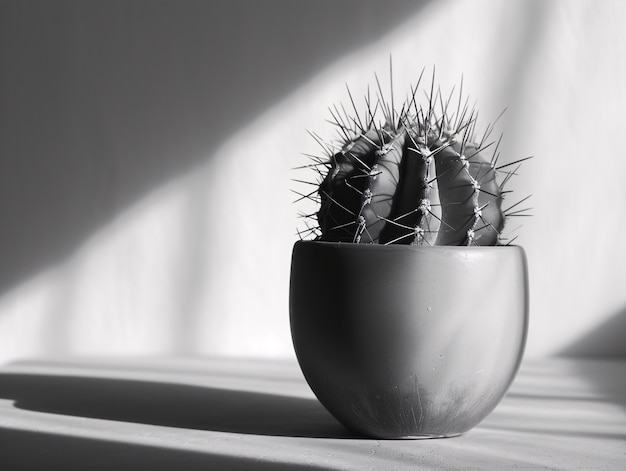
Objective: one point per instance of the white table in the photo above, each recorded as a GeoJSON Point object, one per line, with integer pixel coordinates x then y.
{"type": "Point", "coordinates": [199, 413]}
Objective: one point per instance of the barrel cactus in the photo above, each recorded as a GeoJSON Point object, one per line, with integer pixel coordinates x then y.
{"type": "Point", "coordinates": [419, 175]}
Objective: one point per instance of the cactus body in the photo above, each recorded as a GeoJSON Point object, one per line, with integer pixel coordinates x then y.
{"type": "Point", "coordinates": [419, 177]}
{"type": "Point", "coordinates": [410, 186]}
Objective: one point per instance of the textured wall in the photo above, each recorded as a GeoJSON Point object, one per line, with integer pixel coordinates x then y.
{"type": "Point", "coordinates": [145, 150]}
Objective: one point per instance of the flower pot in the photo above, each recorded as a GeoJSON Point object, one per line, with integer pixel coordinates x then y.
{"type": "Point", "coordinates": [408, 342]}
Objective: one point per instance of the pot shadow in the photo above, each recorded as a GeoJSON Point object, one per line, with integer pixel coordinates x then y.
{"type": "Point", "coordinates": [172, 405]}
{"type": "Point", "coordinates": [79, 453]}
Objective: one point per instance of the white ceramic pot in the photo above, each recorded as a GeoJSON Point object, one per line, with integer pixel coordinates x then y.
{"type": "Point", "coordinates": [408, 342]}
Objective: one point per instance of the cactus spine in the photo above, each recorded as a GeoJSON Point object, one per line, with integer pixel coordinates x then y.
{"type": "Point", "coordinates": [420, 176]}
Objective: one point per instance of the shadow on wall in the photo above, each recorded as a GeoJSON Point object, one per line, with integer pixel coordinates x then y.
{"type": "Point", "coordinates": [102, 101]}
{"type": "Point", "coordinates": [604, 341]}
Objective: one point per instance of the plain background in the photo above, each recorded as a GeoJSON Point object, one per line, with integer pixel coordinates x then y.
{"type": "Point", "coordinates": [146, 150]}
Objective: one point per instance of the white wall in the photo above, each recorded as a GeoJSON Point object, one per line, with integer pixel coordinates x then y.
{"type": "Point", "coordinates": [146, 150]}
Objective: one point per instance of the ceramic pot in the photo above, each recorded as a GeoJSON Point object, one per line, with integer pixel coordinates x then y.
{"type": "Point", "coordinates": [408, 342]}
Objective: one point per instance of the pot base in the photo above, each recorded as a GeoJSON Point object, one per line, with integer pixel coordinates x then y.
{"type": "Point", "coordinates": [428, 437]}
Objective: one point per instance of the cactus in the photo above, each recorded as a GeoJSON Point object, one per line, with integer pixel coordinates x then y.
{"type": "Point", "coordinates": [417, 176]}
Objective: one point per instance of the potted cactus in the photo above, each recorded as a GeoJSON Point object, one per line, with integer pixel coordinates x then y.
{"type": "Point", "coordinates": [408, 307]}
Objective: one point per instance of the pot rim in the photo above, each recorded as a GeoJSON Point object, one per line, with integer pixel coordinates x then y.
{"type": "Point", "coordinates": [399, 247]}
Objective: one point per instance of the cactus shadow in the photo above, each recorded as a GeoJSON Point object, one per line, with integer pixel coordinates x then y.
{"type": "Point", "coordinates": [171, 405]}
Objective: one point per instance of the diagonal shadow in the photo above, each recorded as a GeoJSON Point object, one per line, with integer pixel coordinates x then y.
{"type": "Point", "coordinates": [600, 358]}
{"type": "Point", "coordinates": [603, 341]}
{"type": "Point", "coordinates": [104, 101]}
{"type": "Point", "coordinates": [607, 377]}
{"type": "Point", "coordinates": [77, 453]}
{"type": "Point", "coordinates": [172, 405]}
{"type": "Point", "coordinates": [541, 409]}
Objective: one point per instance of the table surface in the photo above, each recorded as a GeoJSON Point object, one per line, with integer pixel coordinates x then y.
{"type": "Point", "coordinates": [199, 413]}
